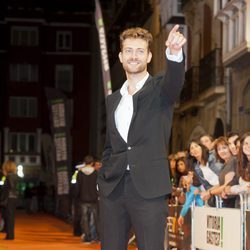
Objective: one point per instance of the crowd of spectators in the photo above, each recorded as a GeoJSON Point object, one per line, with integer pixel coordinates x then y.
{"type": "Point", "coordinates": [211, 167]}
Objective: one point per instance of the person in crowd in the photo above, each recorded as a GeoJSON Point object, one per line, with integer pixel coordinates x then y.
{"type": "Point", "coordinates": [232, 137]}
{"type": "Point", "coordinates": [181, 154]}
{"type": "Point", "coordinates": [134, 177]}
{"type": "Point", "coordinates": [172, 167]}
{"type": "Point", "coordinates": [172, 159]}
{"type": "Point", "coordinates": [237, 144]}
{"type": "Point", "coordinates": [97, 164]}
{"type": "Point", "coordinates": [9, 197]}
{"type": "Point", "coordinates": [87, 195]}
{"type": "Point", "coordinates": [180, 167]}
{"type": "Point", "coordinates": [208, 141]}
{"type": "Point", "coordinates": [243, 169]}
{"type": "Point", "coordinates": [199, 161]}
{"type": "Point", "coordinates": [181, 170]}
{"type": "Point", "coordinates": [227, 176]}
{"type": "Point", "coordinates": [203, 165]}
{"type": "Point", "coordinates": [193, 189]}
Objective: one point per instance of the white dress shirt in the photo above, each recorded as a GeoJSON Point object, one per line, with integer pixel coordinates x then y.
{"type": "Point", "coordinates": [125, 108]}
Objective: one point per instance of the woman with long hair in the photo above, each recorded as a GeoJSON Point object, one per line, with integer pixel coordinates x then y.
{"type": "Point", "coordinates": [181, 170]}
{"type": "Point", "coordinates": [243, 169]}
{"type": "Point", "coordinates": [204, 167]}
{"type": "Point", "coordinates": [200, 162]}
{"type": "Point", "coordinates": [10, 196]}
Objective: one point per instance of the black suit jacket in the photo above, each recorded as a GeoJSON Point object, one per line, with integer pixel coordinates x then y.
{"type": "Point", "coordinates": [146, 149]}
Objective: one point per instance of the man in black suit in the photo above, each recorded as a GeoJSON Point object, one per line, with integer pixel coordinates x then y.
{"type": "Point", "coordinates": [134, 179]}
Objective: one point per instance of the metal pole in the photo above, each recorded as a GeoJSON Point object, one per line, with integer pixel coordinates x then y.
{"type": "Point", "coordinates": [242, 221]}
{"type": "Point", "coordinates": [192, 225]}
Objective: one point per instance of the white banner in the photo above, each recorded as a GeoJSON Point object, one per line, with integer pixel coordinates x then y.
{"type": "Point", "coordinates": [217, 228]}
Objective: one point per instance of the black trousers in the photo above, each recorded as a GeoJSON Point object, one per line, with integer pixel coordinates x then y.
{"type": "Point", "coordinates": [9, 216]}
{"type": "Point", "coordinates": [125, 208]}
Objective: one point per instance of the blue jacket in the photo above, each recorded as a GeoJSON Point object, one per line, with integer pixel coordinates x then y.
{"type": "Point", "coordinates": [190, 197]}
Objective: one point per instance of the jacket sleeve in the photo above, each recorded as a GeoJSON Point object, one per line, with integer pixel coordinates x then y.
{"type": "Point", "coordinates": [173, 80]}
{"type": "Point", "coordinates": [107, 151]}
{"type": "Point", "coordinates": [189, 199]}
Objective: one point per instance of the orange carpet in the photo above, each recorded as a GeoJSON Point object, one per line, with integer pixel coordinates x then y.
{"type": "Point", "coordinates": [43, 232]}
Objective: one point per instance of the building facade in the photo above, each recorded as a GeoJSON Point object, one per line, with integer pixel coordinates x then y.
{"type": "Point", "coordinates": [235, 20]}
{"type": "Point", "coordinates": [43, 45]}
{"type": "Point", "coordinates": [202, 105]}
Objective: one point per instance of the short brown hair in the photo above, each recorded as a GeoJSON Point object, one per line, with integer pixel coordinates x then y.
{"type": "Point", "coordinates": [135, 33]}
{"type": "Point", "coordinates": [88, 159]}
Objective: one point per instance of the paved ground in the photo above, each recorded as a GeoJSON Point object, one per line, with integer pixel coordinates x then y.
{"type": "Point", "coordinates": [43, 232]}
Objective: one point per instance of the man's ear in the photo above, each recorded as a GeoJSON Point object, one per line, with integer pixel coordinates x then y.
{"type": "Point", "coordinates": [120, 56]}
{"type": "Point", "coordinates": [149, 57]}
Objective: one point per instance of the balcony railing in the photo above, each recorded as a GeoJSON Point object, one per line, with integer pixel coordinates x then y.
{"type": "Point", "coordinates": [211, 70]}
{"type": "Point", "coordinates": [190, 88]}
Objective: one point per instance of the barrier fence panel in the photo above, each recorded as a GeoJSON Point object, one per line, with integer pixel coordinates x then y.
{"type": "Point", "coordinates": [178, 237]}
{"type": "Point", "coordinates": [217, 228]}
{"type": "Point", "coordinates": [209, 228]}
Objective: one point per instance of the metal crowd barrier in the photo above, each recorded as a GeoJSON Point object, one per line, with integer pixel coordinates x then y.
{"type": "Point", "coordinates": [211, 228]}
{"type": "Point", "coordinates": [220, 228]}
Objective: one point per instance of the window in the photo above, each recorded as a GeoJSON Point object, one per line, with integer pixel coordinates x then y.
{"type": "Point", "coordinates": [246, 105]}
{"type": "Point", "coordinates": [220, 4]}
{"type": "Point", "coordinates": [63, 40]}
{"type": "Point", "coordinates": [235, 30]}
{"type": "Point", "coordinates": [22, 142]}
{"type": "Point", "coordinates": [243, 25]}
{"type": "Point", "coordinates": [64, 77]}
{"type": "Point", "coordinates": [24, 36]}
{"type": "Point", "coordinates": [179, 6]}
{"type": "Point", "coordinates": [23, 73]}
{"type": "Point", "coordinates": [23, 107]}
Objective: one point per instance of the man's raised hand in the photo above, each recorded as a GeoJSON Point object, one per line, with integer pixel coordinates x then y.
{"type": "Point", "coordinates": [175, 40]}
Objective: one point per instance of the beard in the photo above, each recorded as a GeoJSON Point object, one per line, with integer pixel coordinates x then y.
{"type": "Point", "coordinates": [134, 68]}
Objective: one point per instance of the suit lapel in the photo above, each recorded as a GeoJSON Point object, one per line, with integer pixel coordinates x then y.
{"type": "Point", "coordinates": [136, 97]}
{"type": "Point", "coordinates": [115, 104]}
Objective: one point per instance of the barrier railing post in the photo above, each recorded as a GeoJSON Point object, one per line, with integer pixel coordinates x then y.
{"type": "Point", "coordinates": [242, 218]}
{"type": "Point", "coordinates": [247, 208]}
{"type": "Point", "coordinates": [218, 201]}
{"type": "Point", "coordinates": [192, 226]}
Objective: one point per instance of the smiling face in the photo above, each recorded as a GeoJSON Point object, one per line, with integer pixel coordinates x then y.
{"type": "Point", "coordinates": [232, 145]}
{"type": "Point", "coordinates": [246, 146]}
{"type": "Point", "coordinates": [223, 151]}
{"type": "Point", "coordinates": [207, 142]}
{"type": "Point", "coordinates": [195, 150]}
{"type": "Point", "coordinates": [135, 55]}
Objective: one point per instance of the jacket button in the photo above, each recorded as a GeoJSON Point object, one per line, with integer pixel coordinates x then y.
{"type": "Point", "coordinates": [129, 148]}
